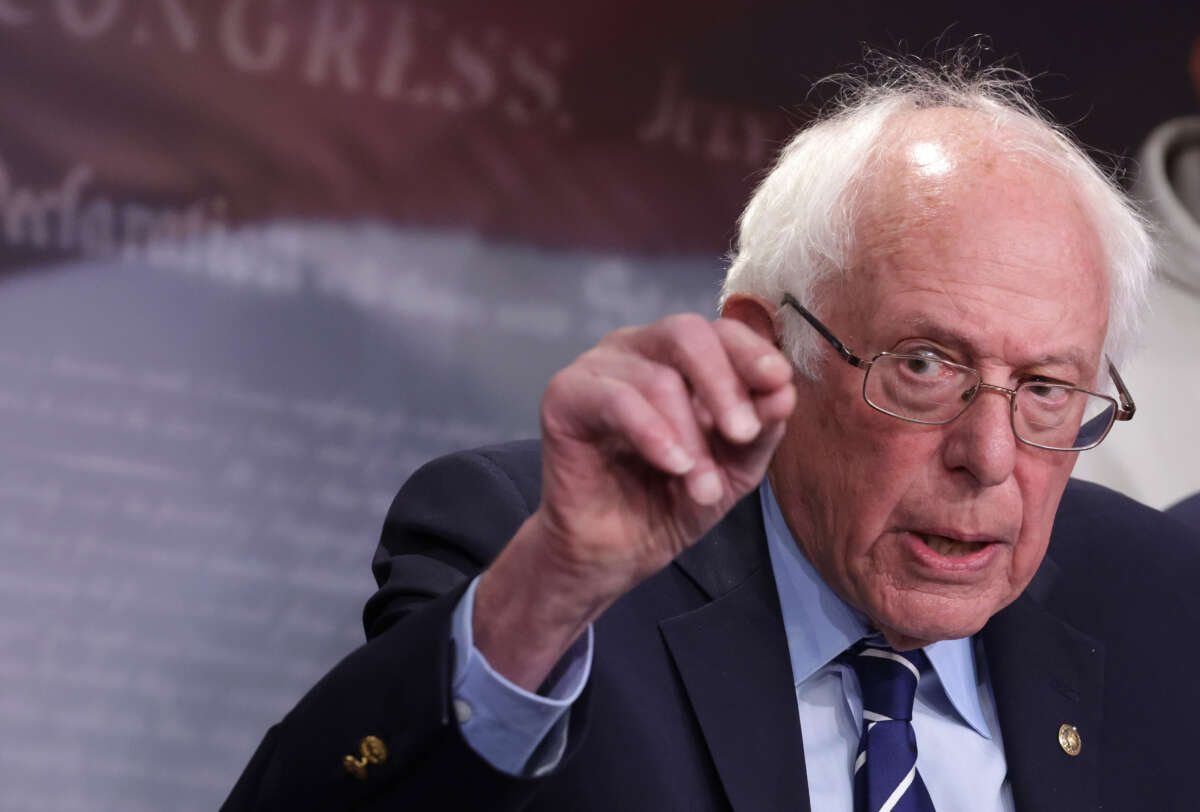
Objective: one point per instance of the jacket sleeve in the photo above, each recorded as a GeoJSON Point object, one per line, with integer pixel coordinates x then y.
{"type": "Point", "coordinates": [448, 521]}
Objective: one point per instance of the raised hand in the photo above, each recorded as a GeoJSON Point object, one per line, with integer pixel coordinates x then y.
{"type": "Point", "coordinates": [649, 438]}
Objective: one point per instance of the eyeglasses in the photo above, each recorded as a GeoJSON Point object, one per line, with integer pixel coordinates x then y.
{"type": "Point", "coordinates": [922, 388]}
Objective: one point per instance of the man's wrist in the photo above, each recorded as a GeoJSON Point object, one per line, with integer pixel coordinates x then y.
{"type": "Point", "coordinates": [529, 608]}
{"type": "Point", "coordinates": [516, 731]}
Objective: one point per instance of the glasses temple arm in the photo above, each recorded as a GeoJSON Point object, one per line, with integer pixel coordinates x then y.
{"type": "Point", "coordinates": [1128, 407]}
{"type": "Point", "coordinates": [848, 356]}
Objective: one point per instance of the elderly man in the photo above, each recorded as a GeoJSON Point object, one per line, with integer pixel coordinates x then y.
{"type": "Point", "coordinates": [797, 557]}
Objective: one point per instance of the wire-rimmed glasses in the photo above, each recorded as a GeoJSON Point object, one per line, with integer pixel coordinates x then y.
{"type": "Point", "coordinates": [922, 388]}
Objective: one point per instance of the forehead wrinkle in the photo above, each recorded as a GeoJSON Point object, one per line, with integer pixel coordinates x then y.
{"type": "Point", "coordinates": [995, 296]}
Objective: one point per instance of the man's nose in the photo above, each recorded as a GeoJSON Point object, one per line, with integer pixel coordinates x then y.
{"type": "Point", "coordinates": [981, 440]}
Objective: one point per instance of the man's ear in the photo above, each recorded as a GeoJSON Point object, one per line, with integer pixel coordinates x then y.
{"type": "Point", "coordinates": [753, 311]}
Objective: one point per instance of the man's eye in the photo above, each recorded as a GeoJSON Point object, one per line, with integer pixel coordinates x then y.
{"type": "Point", "coordinates": [1048, 391]}
{"type": "Point", "coordinates": [923, 366]}
{"type": "Point", "coordinates": [1046, 387]}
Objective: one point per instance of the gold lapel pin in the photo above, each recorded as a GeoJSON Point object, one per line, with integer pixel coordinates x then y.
{"type": "Point", "coordinates": [373, 752]}
{"type": "Point", "coordinates": [1068, 739]}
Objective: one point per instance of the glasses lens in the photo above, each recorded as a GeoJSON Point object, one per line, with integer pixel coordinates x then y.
{"type": "Point", "coordinates": [1061, 417]}
{"type": "Point", "coordinates": [1096, 428]}
{"type": "Point", "coordinates": [919, 388]}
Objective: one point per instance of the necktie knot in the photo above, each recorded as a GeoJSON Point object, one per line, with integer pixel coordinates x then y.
{"type": "Point", "coordinates": [888, 679]}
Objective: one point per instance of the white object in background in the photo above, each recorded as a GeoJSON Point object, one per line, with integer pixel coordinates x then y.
{"type": "Point", "coordinates": [1155, 458]}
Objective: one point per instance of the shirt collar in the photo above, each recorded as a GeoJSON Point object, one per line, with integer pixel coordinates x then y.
{"type": "Point", "coordinates": [804, 595]}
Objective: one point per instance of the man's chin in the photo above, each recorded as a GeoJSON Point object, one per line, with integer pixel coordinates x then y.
{"type": "Point", "coordinates": [915, 629]}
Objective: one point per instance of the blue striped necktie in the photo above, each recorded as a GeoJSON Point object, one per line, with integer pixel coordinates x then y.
{"type": "Point", "coordinates": [885, 768]}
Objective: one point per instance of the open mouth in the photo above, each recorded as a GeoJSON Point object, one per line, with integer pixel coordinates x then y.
{"type": "Point", "coordinates": [951, 548]}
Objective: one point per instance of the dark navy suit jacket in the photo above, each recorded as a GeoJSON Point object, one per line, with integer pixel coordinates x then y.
{"type": "Point", "coordinates": [1187, 510]}
{"type": "Point", "coordinates": [690, 704]}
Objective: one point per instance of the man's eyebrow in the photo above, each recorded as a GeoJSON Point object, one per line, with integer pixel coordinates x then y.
{"type": "Point", "coordinates": [1072, 358]}
{"type": "Point", "coordinates": [921, 326]}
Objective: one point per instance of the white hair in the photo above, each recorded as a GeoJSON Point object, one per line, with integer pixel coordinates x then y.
{"type": "Point", "coordinates": [798, 227]}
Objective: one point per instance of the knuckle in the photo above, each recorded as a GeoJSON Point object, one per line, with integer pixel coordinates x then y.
{"type": "Point", "coordinates": [555, 396]}
{"type": "Point", "coordinates": [739, 334]}
{"type": "Point", "coordinates": [567, 388]}
{"type": "Point", "coordinates": [666, 384]}
{"type": "Point", "coordinates": [621, 335]}
{"type": "Point", "coordinates": [553, 389]}
{"type": "Point", "coordinates": [589, 358]}
{"type": "Point", "coordinates": [558, 384]}
{"type": "Point", "coordinates": [621, 402]}
{"type": "Point", "coordinates": [686, 324]}
{"type": "Point", "coordinates": [693, 341]}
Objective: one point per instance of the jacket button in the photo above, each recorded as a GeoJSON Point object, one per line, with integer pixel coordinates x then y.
{"type": "Point", "coordinates": [372, 751]}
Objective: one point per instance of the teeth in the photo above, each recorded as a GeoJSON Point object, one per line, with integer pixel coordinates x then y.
{"type": "Point", "coordinates": [951, 547]}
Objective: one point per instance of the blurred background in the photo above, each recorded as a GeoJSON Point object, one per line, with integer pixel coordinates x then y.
{"type": "Point", "coordinates": [259, 259]}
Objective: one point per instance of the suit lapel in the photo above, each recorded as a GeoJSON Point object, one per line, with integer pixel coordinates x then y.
{"type": "Point", "coordinates": [732, 657]}
{"type": "Point", "coordinates": [1046, 674]}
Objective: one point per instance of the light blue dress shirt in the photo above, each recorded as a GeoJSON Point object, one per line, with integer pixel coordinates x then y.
{"type": "Point", "coordinates": [516, 731]}
{"type": "Point", "coordinates": [960, 753]}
